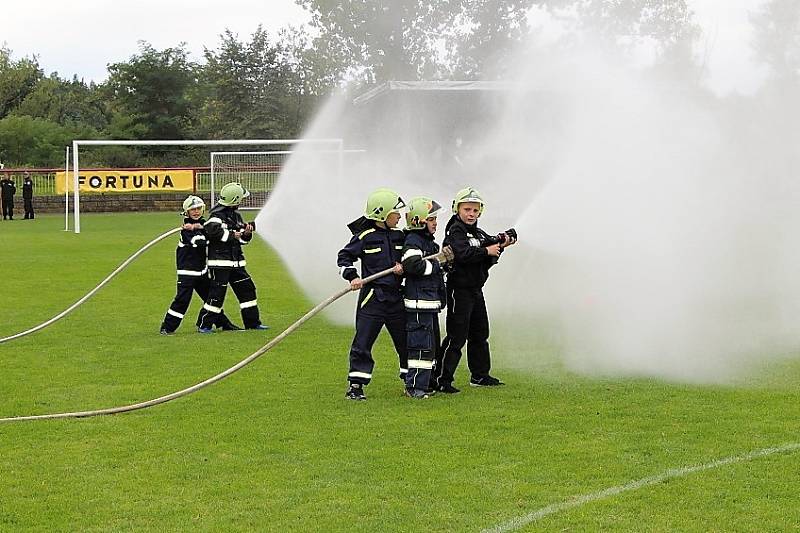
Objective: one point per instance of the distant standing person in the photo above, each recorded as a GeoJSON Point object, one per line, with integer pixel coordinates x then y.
{"type": "Point", "coordinates": [8, 190]}
{"type": "Point", "coordinates": [27, 196]}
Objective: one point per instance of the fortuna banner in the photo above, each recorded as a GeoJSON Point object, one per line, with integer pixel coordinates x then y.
{"type": "Point", "coordinates": [127, 181]}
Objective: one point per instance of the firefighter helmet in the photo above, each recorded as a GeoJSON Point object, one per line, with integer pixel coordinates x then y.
{"type": "Point", "coordinates": [419, 209]}
{"type": "Point", "coordinates": [467, 194]}
{"type": "Point", "coordinates": [232, 194]}
{"type": "Point", "coordinates": [381, 202]}
{"type": "Point", "coordinates": [192, 202]}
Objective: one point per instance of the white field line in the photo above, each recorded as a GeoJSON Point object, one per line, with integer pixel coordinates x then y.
{"type": "Point", "coordinates": [577, 501]}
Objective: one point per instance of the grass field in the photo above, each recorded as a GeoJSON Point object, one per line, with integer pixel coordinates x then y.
{"type": "Point", "coordinates": [276, 447]}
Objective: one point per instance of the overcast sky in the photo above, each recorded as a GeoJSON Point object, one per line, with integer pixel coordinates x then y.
{"type": "Point", "coordinates": [83, 36]}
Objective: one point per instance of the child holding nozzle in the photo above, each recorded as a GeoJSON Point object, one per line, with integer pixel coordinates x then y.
{"type": "Point", "coordinates": [467, 320]}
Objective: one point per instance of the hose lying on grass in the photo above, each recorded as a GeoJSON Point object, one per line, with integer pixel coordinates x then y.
{"type": "Point", "coordinates": [443, 256]}
{"type": "Point", "coordinates": [89, 294]}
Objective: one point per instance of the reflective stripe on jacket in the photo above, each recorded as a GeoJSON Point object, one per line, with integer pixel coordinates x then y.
{"type": "Point", "coordinates": [424, 287]}
{"type": "Point", "coordinates": [377, 249]}
{"type": "Point", "coordinates": [225, 250]}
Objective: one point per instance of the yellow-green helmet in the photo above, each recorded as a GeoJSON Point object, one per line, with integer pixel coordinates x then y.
{"type": "Point", "coordinates": [419, 209]}
{"type": "Point", "coordinates": [192, 202]}
{"type": "Point", "coordinates": [467, 194]}
{"type": "Point", "coordinates": [381, 202]}
{"type": "Point", "coordinates": [232, 194]}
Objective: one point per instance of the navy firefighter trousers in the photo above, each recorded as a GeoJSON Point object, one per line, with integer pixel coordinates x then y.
{"type": "Point", "coordinates": [374, 312]}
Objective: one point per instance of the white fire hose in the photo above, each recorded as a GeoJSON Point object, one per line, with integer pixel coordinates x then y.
{"type": "Point", "coordinates": [443, 256]}
{"type": "Point", "coordinates": [89, 294]}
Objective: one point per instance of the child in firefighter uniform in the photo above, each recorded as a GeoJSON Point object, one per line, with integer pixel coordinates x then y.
{"type": "Point", "coordinates": [190, 259]}
{"type": "Point", "coordinates": [227, 233]}
{"type": "Point", "coordinates": [467, 320]}
{"type": "Point", "coordinates": [423, 295]}
{"type": "Point", "coordinates": [378, 244]}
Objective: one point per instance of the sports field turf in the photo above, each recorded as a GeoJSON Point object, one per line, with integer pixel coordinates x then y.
{"type": "Point", "coordinates": [276, 447]}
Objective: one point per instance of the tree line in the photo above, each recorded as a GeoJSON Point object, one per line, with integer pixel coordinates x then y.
{"type": "Point", "coordinates": [252, 88]}
{"type": "Point", "coordinates": [268, 86]}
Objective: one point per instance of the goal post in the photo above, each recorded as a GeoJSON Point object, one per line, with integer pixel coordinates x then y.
{"type": "Point", "coordinates": [335, 143]}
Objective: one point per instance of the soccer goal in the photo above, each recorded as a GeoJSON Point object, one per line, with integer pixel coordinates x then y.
{"type": "Point", "coordinates": [259, 176]}
{"type": "Point", "coordinates": [258, 171]}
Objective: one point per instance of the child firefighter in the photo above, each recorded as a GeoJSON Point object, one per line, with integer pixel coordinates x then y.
{"type": "Point", "coordinates": [227, 233]}
{"type": "Point", "coordinates": [377, 244]}
{"type": "Point", "coordinates": [423, 295]}
{"type": "Point", "coordinates": [190, 259]}
{"type": "Point", "coordinates": [467, 320]}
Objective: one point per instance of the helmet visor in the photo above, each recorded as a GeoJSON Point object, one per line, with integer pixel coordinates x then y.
{"type": "Point", "coordinates": [435, 207]}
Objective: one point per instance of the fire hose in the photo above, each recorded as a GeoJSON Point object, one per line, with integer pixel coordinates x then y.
{"type": "Point", "coordinates": [444, 256]}
{"type": "Point", "coordinates": [91, 293]}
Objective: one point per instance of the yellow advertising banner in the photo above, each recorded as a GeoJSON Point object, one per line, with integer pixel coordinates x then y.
{"type": "Point", "coordinates": [126, 181]}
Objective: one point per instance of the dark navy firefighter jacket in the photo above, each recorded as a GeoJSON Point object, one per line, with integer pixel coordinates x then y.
{"type": "Point", "coordinates": [470, 269]}
{"type": "Point", "coordinates": [190, 256]}
{"type": "Point", "coordinates": [424, 290]}
{"type": "Point", "coordinates": [224, 250]}
{"type": "Point", "coordinates": [378, 249]}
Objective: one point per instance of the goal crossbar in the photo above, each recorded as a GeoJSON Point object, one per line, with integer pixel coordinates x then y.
{"type": "Point", "coordinates": [76, 144]}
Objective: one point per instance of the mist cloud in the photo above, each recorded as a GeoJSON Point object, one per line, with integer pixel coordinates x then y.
{"type": "Point", "coordinates": [657, 221]}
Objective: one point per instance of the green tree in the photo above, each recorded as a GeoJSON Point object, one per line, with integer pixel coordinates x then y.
{"type": "Point", "coordinates": [375, 40]}
{"type": "Point", "coordinates": [484, 36]}
{"type": "Point", "coordinates": [311, 76]}
{"type": "Point", "coordinates": [17, 80]}
{"type": "Point", "coordinates": [65, 102]}
{"type": "Point", "coordinates": [149, 94]}
{"type": "Point", "coordinates": [37, 142]}
{"type": "Point", "coordinates": [244, 88]}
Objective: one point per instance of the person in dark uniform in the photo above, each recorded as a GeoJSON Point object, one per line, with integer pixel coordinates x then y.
{"type": "Point", "coordinates": [378, 244]}
{"type": "Point", "coordinates": [190, 259]}
{"type": "Point", "coordinates": [227, 233]}
{"type": "Point", "coordinates": [467, 320]}
{"type": "Point", "coordinates": [27, 196]}
{"type": "Point", "coordinates": [8, 190]}
{"type": "Point", "coordinates": [423, 295]}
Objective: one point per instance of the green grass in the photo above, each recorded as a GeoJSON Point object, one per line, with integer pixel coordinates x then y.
{"type": "Point", "coordinates": [276, 447]}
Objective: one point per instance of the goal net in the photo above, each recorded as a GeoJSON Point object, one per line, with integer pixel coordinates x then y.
{"type": "Point", "coordinates": [257, 171]}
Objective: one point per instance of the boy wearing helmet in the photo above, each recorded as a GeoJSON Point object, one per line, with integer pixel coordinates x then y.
{"type": "Point", "coordinates": [190, 259]}
{"type": "Point", "coordinates": [467, 320]}
{"type": "Point", "coordinates": [423, 295]}
{"type": "Point", "coordinates": [378, 244]}
{"type": "Point", "coordinates": [227, 233]}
